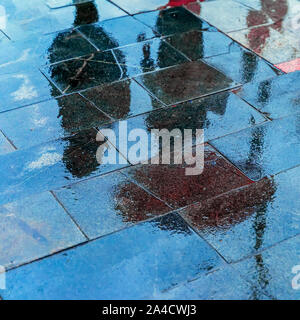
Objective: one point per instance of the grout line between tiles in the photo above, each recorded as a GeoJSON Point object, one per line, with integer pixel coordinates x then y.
{"type": "Point", "coordinates": [69, 214]}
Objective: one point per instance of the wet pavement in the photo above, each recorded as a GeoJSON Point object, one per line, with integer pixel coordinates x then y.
{"type": "Point", "coordinates": [74, 228]}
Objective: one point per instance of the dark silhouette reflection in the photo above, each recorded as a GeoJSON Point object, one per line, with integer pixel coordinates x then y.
{"type": "Point", "coordinates": [189, 118]}
{"type": "Point", "coordinates": [86, 13]}
{"type": "Point", "coordinates": [72, 75]}
{"type": "Point", "coordinates": [80, 151]}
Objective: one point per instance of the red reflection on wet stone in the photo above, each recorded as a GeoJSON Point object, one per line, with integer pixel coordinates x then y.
{"type": "Point", "coordinates": [192, 5]}
{"type": "Point", "coordinates": [231, 208]}
{"type": "Point", "coordinates": [289, 66]}
{"type": "Point", "coordinates": [171, 184]}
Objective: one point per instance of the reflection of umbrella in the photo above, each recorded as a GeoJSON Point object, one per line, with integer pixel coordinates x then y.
{"type": "Point", "coordinates": [232, 208]}
{"type": "Point", "coordinates": [222, 211]}
{"type": "Point", "coordinates": [178, 3]}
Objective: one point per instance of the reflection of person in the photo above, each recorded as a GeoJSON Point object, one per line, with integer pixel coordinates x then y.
{"type": "Point", "coordinates": [80, 154]}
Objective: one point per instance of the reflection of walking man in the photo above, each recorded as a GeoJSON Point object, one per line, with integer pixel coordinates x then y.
{"type": "Point", "coordinates": [79, 155]}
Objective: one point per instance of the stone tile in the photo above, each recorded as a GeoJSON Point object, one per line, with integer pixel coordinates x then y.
{"type": "Point", "coordinates": [149, 56]}
{"type": "Point", "coordinates": [217, 115]}
{"type": "Point", "coordinates": [276, 10]}
{"type": "Point", "coordinates": [22, 55]}
{"type": "Point", "coordinates": [289, 66]}
{"type": "Point", "coordinates": [201, 44]}
{"type": "Point", "coordinates": [248, 220]}
{"type": "Point", "coordinates": [24, 88]}
{"type": "Point", "coordinates": [33, 51]}
{"type": "Point", "coordinates": [184, 82]}
{"type": "Point", "coordinates": [55, 4]}
{"type": "Point", "coordinates": [224, 284]}
{"type": "Point", "coordinates": [123, 204]}
{"type": "Point", "coordinates": [147, 258]}
{"type": "Point", "coordinates": [51, 165]}
{"type": "Point", "coordinates": [93, 11]}
{"type": "Point", "coordinates": [243, 66]}
{"type": "Point", "coordinates": [139, 6]}
{"type": "Point", "coordinates": [122, 99]}
{"type": "Point", "coordinates": [50, 120]}
{"type": "Point", "coordinates": [85, 72]}
{"type": "Point", "coordinates": [110, 33]}
{"type": "Point", "coordinates": [235, 16]}
{"type": "Point", "coordinates": [263, 150]}
{"type": "Point", "coordinates": [29, 233]}
{"type": "Point", "coordinates": [171, 21]}
{"type": "Point", "coordinates": [272, 42]}
{"type": "Point", "coordinates": [179, 189]}
{"type": "Point", "coordinates": [255, 4]}
{"type": "Point", "coordinates": [5, 146]}
{"type": "Point", "coordinates": [40, 20]}
{"type": "Point", "coordinates": [275, 270]}
{"type": "Point", "coordinates": [23, 11]}
{"type": "Point", "coordinates": [275, 97]}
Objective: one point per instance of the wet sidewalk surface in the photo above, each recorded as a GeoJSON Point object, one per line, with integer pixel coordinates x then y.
{"type": "Point", "coordinates": [71, 228]}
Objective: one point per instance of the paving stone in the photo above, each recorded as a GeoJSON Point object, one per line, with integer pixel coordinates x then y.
{"type": "Point", "coordinates": [51, 165]}
{"type": "Point", "coordinates": [34, 51]}
{"type": "Point", "coordinates": [275, 270]}
{"type": "Point", "coordinates": [184, 82]}
{"type": "Point", "coordinates": [289, 66]}
{"type": "Point", "coordinates": [275, 10]}
{"type": "Point", "coordinates": [110, 33]}
{"type": "Point", "coordinates": [24, 88]}
{"type": "Point", "coordinates": [40, 20]}
{"type": "Point", "coordinates": [29, 233]}
{"type": "Point", "coordinates": [248, 220]}
{"type": "Point", "coordinates": [224, 284]}
{"type": "Point", "coordinates": [171, 21]}
{"type": "Point", "coordinates": [50, 120]}
{"type": "Point", "coordinates": [5, 146]}
{"type": "Point", "coordinates": [151, 257]}
{"type": "Point", "coordinates": [123, 204]}
{"type": "Point", "coordinates": [92, 11]}
{"type": "Point", "coordinates": [139, 6]}
{"type": "Point", "coordinates": [243, 66]}
{"type": "Point", "coordinates": [272, 42]}
{"type": "Point", "coordinates": [54, 4]}
{"type": "Point", "coordinates": [122, 99]}
{"type": "Point", "coordinates": [263, 150]}
{"type": "Point", "coordinates": [276, 97]}
{"type": "Point", "coordinates": [179, 189]}
{"type": "Point", "coordinates": [85, 72]}
{"type": "Point", "coordinates": [23, 55]}
{"type": "Point", "coordinates": [235, 16]}
{"type": "Point", "coordinates": [149, 56]}
{"type": "Point", "coordinates": [201, 44]}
